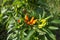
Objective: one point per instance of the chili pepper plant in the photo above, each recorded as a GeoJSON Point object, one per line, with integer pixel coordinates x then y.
{"type": "Point", "coordinates": [29, 19]}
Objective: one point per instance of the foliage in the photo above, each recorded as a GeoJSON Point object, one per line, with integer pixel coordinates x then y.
{"type": "Point", "coordinates": [30, 19]}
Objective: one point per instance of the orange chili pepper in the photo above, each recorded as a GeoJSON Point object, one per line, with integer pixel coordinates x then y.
{"type": "Point", "coordinates": [34, 21]}
{"type": "Point", "coordinates": [26, 17]}
{"type": "Point", "coordinates": [31, 19]}
{"type": "Point", "coordinates": [18, 21]}
{"type": "Point", "coordinates": [31, 22]}
{"type": "Point", "coordinates": [28, 23]}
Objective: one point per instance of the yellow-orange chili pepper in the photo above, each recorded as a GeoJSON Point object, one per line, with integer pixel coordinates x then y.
{"type": "Point", "coordinates": [31, 21]}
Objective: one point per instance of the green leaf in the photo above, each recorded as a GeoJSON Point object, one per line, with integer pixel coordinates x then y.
{"type": "Point", "coordinates": [30, 34]}
{"type": "Point", "coordinates": [1, 2]}
{"type": "Point", "coordinates": [18, 3]}
{"type": "Point", "coordinates": [44, 13]}
{"type": "Point", "coordinates": [56, 21]}
{"type": "Point", "coordinates": [40, 32]}
{"type": "Point", "coordinates": [40, 17]}
{"type": "Point", "coordinates": [45, 37]}
{"type": "Point", "coordinates": [11, 36]}
{"type": "Point", "coordinates": [22, 34]}
{"type": "Point", "coordinates": [4, 1]}
{"type": "Point", "coordinates": [51, 35]}
{"type": "Point", "coordinates": [53, 27]}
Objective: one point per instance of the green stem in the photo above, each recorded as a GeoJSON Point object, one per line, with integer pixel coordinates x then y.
{"type": "Point", "coordinates": [18, 35]}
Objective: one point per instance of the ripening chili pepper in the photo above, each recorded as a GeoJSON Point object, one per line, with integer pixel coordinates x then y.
{"type": "Point", "coordinates": [26, 17]}
{"type": "Point", "coordinates": [31, 21]}
{"type": "Point", "coordinates": [18, 21]}
{"type": "Point", "coordinates": [34, 21]}
{"type": "Point", "coordinates": [43, 23]}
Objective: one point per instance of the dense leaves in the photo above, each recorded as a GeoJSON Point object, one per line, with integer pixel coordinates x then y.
{"type": "Point", "coordinates": [30, 19]}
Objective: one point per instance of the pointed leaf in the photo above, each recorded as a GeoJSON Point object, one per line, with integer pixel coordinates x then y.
{"type": "Point", "coordinates": [56, 21]}
{"type": "Point", "coordinates": [53, 28]}
{"type": "Point", "coordinates": [50, 34]}
{"type": "Point", "coordinates": [30, 34]}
